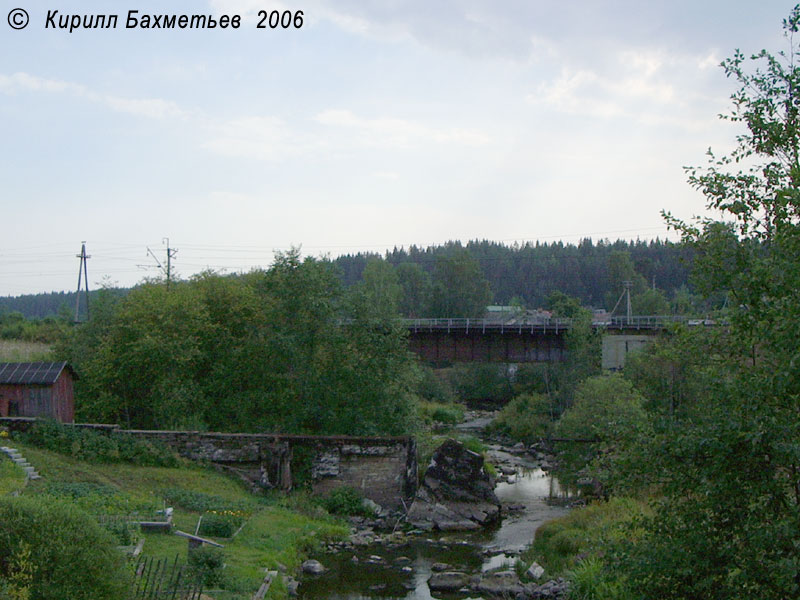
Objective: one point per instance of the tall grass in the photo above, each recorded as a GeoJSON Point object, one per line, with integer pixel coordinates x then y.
{"type": "Point", "coordinates": [21, 351]}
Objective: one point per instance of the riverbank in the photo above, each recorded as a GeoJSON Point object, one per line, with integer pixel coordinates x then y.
{"type": "Point", "coordinates": [414, 565]}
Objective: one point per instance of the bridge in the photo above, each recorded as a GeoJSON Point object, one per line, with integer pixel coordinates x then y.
{"type": "Point", "coordinates": [530, 340]}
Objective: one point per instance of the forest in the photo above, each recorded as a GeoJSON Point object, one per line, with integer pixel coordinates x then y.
{"type": "Point", "coordinates": [430, 281]}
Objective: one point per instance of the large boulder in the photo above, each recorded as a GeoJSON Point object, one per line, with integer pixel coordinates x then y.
{"type": "Point", "coordinates": [500, 583]}
{"type": "Point", "coordinates": [456, 492]}
{"type": "Point", "coordinates": [448, 581]}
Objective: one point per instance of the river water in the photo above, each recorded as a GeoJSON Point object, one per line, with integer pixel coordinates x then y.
{"type": "Point", "coordinates": [530, 498]}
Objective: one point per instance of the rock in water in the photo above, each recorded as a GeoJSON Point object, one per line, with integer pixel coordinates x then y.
{"type": "Point", "coordinates": [500, 583]}
{"type": "Point", "coordinates": [456, 492]}
{"type": "Point", "coordinates": [448, 581]}
{"type": "Point", "coordinates": [312, 567]}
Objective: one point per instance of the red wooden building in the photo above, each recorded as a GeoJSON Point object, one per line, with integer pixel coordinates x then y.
{"type": "Point", "coordinates": [37, 389]}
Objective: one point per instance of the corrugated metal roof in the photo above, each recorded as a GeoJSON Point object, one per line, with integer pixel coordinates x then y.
{"type": "Point", "coordinates": [33, 373]}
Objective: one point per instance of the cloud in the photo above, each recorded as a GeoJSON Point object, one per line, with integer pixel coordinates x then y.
{"type": "Point", "coordinates": [260, 138]}
{"type": "Point", "coordinates": [154, 108]}
{"type": "Point", "coordinates": [396, 133]}
{"type": "Point", "coordinates": [647, 86]}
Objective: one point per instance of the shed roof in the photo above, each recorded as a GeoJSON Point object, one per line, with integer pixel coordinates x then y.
{"type": "Point", "coordinates": [31, 373]}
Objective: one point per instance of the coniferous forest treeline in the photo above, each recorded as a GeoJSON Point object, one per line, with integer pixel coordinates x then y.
{"type": "Point", "coordinates": [525, 273]}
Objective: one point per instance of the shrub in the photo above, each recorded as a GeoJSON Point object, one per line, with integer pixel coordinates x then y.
{"type": "Point", "coordinates": [99, 499]}
{"type": "Point", "coordinates": [206, 564]}
{"type": "Point", "coordinates": [447, 414]}
{"type": "Point", "coordinates": [221, 524]}
{"type": "Point", "coordinates": [527, 417]}
{"type": "Point", "coordinates": [124, 532]}
{"type": "Point", "coordinates": [201, 502]}
{"type": "Point", "coordinates": [67, 552]}
{"type": "Point", "coordinates": [345, 501]}
{"type": "Point", "coordinates": [98, 446]}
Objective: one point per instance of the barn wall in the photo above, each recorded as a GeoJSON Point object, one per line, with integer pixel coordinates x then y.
{"type": "Point", "coordinates": [40, 400]}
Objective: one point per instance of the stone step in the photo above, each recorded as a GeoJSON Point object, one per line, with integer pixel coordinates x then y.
{"type": "Point", "coordinates": [19, 460]}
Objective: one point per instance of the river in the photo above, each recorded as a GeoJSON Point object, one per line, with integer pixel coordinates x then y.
{"type": "Point", "coordinates": [530, 497]}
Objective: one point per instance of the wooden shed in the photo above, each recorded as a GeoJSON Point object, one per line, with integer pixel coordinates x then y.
{"type": "Point", "coordinates": [37, 389]}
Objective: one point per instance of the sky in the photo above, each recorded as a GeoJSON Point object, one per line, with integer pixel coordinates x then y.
{"type": "Point", "coordinates": [376, 124]}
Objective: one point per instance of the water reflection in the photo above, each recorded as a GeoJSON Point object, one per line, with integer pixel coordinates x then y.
{"type": "Point", "coordinates": [368, 576]}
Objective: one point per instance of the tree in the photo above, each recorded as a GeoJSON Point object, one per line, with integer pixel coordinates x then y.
{"type": "Point", "coordinates": [460, 288]}
{"type": "Point", "coordinates": [416, 290]}
{"type": "Point", "coordinates": [606, 417]}
{"type": "Point", "coordinates": [729, 522]}
{"type": "Point", "coordinates": [282, 350]}
{"type": "Point", "coordinates": [563, 305]}
{"type": "Point", "coordinates": [379, 292]}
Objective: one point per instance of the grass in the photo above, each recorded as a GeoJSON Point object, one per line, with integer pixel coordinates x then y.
{"type": "Point", "coordinates": [12, 477]}
{"type": "Point", "coordinates": [21, 351]}
{"type": "Point", "coordinates": [561, 545]}
{"type": "Point", "coordinates": [440, 413]}
{"type": "Point", "coordinates": [277, 530]}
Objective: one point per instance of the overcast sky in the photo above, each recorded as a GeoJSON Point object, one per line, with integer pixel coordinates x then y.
{"type": "Point", "coordinates": [378, 123]}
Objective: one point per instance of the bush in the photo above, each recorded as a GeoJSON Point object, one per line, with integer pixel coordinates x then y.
{"type": "Point", "coordinates": [607, 409]}
{"type": "Point", "coordinates": [124, 532]}
{"type": "Point", "coordinates": [201, 502]}
{"type": "Point", "coordinates": [66, 552]}
{"type": "Point", "coordinates": [206, 564]}
{"type": "Point", "coordinates": [97, 446]}
{"type": "Point", "coordinates": [345, 501]}
{"type": "Point", "coordinates": [527, 418]}
{"type": "Point", "coordinates": [99, 500]}
{"type": "Point", "coordinates": [447, 414]}
{"type": "Point", "coordinates": [434, 388]}
{"type": "Point", "coordinates": [221, 524]}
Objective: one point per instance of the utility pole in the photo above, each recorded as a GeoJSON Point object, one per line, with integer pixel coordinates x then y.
{"type": "Point", "coordinates": [171, 252]}
{"type": "Point", "coordinates": [82, 272]}
{"type": "Point", "coordinates": [626, 293]}
{"type": "Point", "coordinates": [628, 285]}
{"type": "Point", "coordinates": [166, 270]}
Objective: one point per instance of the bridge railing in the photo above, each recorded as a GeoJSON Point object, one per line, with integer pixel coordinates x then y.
{"type": "Point", "coordinates": [443, 324]}
{"type": "Point", "coordinates": [549, 324]}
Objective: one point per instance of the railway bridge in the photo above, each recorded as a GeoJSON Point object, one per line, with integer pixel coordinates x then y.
{"type": "Point", "coordinates": [530, 340]}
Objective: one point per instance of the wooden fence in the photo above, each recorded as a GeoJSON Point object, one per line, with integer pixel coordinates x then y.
{"type": "Point", "coordinates": [162, 579]}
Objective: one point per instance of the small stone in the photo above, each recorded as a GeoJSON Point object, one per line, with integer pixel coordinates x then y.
{"type": "Point", "coordinates": [312, 567]}
{"type": "Point", "coordinates": [439, 567]}
{"type": "Point", "coordinates": [535, 571]}
{"type": "Point", "coordinates": [291, 586]}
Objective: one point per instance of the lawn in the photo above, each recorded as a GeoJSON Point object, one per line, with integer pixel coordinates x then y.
{"type": "Point", "coordinates": [272, 532]}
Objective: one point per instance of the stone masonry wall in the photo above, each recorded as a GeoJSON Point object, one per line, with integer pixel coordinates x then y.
{"type": "Point", "coordinates": [383, 469]}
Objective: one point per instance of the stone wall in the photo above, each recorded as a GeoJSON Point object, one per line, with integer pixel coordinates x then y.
{"type": "Point", "coordinates": [384, 469]}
